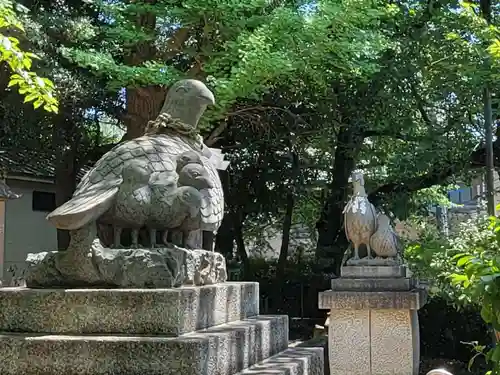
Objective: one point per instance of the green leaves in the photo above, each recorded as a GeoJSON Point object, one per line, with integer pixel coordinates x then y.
{"type": "Point", "coordinates": [35, 89]}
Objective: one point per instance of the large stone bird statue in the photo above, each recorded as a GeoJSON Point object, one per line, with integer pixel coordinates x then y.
{"type": "Point", "coordinates": [360, 217]}
{"type": "Point", "coordinates": [170, 142]}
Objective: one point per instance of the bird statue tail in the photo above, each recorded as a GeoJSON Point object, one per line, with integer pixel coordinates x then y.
{"type": "Point", "coordinates": [82, 209]}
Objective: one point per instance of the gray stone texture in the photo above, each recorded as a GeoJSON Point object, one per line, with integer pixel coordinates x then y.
{"type": "Point", "coordinates": [371, 285]}
{"type": "Point", "coordinates": [169, 312]}
{"type": "Point", "coordinates": [292, 361]}
{"type": "Point", "coordinates": [351, 300]}
{"type": "Point", "coordinates": [125, 268]}
{"type": "Point", "coordinates": [221, 350]}
{"type": "Point", "coordinates": [373, 271]}
{"type": "Point", "coordinates": [322, 343]}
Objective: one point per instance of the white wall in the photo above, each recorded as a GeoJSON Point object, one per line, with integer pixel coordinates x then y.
{"type": "Point", "coordinates": [26, 231]}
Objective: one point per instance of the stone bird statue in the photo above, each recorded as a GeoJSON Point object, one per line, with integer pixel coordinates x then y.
{"type": "Point", "coordinates": [171, 134]}
{"type": "Point", "coordinates": [132, 202]}
{"type": "Point", "coordinates": [196, 176]}
{"type": "Point", "coordinates": [134, 198]}
{"type": "Point", "coordinates": [385, 242]}
{"type": "Point", "coordinates": [359, 217]}
{"type": "Point", "coordinates": [172, 205]}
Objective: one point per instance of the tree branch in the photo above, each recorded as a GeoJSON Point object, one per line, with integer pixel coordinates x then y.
{"type": "Point", "coordinates": [386, 133]}
{"type": "Point", "coordinates": [420, 105]}
{"type": "Point", "coordinates": [435, 176]}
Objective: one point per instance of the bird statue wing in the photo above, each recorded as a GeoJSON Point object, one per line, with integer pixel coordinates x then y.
{"type": "Point", "coordinates": [96, 191]}
{"type": "Point", "coordinates": [85, 207]}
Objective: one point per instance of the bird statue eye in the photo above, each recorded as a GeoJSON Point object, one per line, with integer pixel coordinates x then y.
{"type": "Point", "coordinates": [195, 174]}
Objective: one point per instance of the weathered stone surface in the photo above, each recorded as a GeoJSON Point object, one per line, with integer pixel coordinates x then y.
{"type": "Point", "coordinates": [371, 285]}
{"type": "Point", "coordinates": [169, 312]}
{"type": "Point", "coordinates": [322, 343]}
{"type": "Point", "coordinates": [373, 271]}
{"type": "Point", "coordinates": [351, 300]}
{"type": "Point", "coordinates": [222, 350]}
{"type": "Point", "coordinates": [125, 268]}
{"type": "Point", "coordinates": [349, 342]}
{"type": "Point", "coordinates": [391, 261]}
{"type": "Point", "coordinates": [395, 346]}
{"type": "Point", "coordinates": [373, 342]}
{"type": "Point", "coordinates": [296, 361]}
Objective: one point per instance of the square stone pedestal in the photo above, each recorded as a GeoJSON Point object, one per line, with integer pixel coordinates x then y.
{"type": "Point", "coordinates": [373, 326]}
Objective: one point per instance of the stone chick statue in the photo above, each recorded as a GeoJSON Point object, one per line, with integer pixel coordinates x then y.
{"type": "Point", "coordinates": [174, 204]}
{"type": "Point", "coordinates": [135, 196]}
{"type": "Point", "coordinates": [360, 218]}
{"type": "Point", "coordinates": [173, 133]}
{"type": "Point", "coordinates": [385, 242]}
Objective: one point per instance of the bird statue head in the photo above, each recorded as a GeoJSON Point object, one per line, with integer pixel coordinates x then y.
{"type": "Point", "coordinates": [191, 199]}
{"type": "Point", "coordinates": [188, 157]}
{"type": "Point", "coordinates": [187, 100]}
{"type": "Point", "coordinates": [357, 178]}
{"type": "Point", "coordinates": [358, 183]}
{"type": "Point", "coordinates": [163, 179]}
{"type": "Point", "coordinates": [383, 220]}
{"type": "Point", "coordinates": [195, 175]}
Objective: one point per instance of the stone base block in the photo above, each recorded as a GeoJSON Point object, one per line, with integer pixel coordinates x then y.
{"type": "Point", "coordinates": [373, 271]}
{"type": "Point", "coordinates": [332, 299]}
{"type": "Point", "coordinates": [221, 350]}
{"type": "Point", "coordinates": [296, 361]}
{"type": "Point", "coordinates": [373, 342]}
{"type": "Point", "coordinates": [371, 285]}
{"type": "Point", "coordinates": [169, 312]}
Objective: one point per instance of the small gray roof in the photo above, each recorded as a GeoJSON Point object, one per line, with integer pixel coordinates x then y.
{"type": "Point", "coordinates": [28, 163]}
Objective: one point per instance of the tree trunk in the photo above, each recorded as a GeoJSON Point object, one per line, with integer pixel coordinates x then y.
{"type": "Point", "coordinates": [224, 240]}
{"type": "Point", "coordinates": [237, 219]}
{"type": "Point", "coordinates": [65, 141]}
{"type": "Point", "coordinates": [332, 242]}
{"type": "Point", "coordinates": [285, 245]}
{"type": "Point", "coordinates": [143, 105]}
{"type": "Point", "coordinates": [65, 180]}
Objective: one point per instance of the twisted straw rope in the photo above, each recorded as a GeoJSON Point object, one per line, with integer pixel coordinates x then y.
{"type": "Point", "coordinates": [166, 124]}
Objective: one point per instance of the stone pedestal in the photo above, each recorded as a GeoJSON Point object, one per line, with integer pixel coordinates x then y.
{"type": "Point", "coordinates": [373, 326]}
{"type": "Point", "coordinates": [190, 330]}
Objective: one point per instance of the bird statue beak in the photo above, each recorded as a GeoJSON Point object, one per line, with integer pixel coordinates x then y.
{"type": "Point", "coordinates": [208, 96]}
{"type": "Point", "coordinates": [194, 211]}
{"type": "Point", "coordinates": [205, 182]}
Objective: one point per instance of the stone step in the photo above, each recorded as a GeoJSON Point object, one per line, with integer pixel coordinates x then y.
{"type": "Point", "coordinates": [221, 350]}
{"type": "Point", "coordinates": [166, 312]}
{"type": "Point", "coordinates": [292, 361]}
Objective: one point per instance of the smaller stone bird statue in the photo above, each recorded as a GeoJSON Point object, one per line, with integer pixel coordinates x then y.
{"type": "Point", "coordinates": [188, 157]}
{"type": "Point", "coordinates": [172, 204]}
{"type": "Point", "coordinates": [195, 175]}
{"type": "Point", "coordinates": [132, 204]}
{"type": "Point", "coordinates": [385, 242]}
{"type": "Point", "coordinates": [132, 201]}
{"type": "Point", "coordinates": [359, 217]}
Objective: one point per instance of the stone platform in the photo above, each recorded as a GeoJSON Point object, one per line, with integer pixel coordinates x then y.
{"type": "Point", "coordinates": [205, 330]}
{"type": "Point", "coordinates": [169, 312]}
{"type": "Point", "coordinates": [222, 350]}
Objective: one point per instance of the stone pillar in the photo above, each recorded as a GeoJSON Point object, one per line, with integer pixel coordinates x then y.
{"type": "Point", "coordinates": [373, 326]}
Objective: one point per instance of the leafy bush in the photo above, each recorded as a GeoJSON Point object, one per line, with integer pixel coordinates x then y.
{"type": "Point", "coordinates": [433, 257]}
{"type": "Point", "coordinates": [465, 270]}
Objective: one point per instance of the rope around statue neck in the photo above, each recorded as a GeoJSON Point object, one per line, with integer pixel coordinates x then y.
{"type": "Point", "coordinates": [166, 124]}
